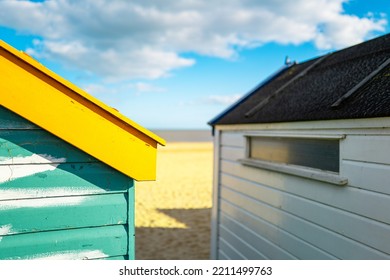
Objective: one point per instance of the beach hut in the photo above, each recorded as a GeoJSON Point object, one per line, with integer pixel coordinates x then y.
{"type": "Point", "coordinates": [68, 164]}
{"type": "Point", "coordinates": [302, 162]}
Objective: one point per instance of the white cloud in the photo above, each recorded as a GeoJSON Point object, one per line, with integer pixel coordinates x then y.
{"type": "Point", "coordinates": [125, 88]}
{"type": "Point", "coordinates": [222, 99]}
{"type": "Point", "coordinates": [146, 87]}
{"type": "Point", "coordinates": [121, 40]}
{"type": "Point", "coordinates": [355, 29]}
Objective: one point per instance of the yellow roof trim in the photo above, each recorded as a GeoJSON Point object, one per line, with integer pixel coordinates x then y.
{"type": "Point", "coordinates": [27, 58]}
{"type": "Point", "coordinates": [75, 116]}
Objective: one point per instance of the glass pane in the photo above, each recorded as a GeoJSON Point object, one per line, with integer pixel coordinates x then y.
{"type": "Point", "coordinates": [314, 153]}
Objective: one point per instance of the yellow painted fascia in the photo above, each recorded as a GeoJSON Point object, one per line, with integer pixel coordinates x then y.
{"type": "Point", "coordinates": [28, 59]}
{"type": "Point", "coordinates": [46, 99]}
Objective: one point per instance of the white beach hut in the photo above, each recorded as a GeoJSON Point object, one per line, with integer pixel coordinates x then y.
{"type": "Point", "coordinates": [302, 162]}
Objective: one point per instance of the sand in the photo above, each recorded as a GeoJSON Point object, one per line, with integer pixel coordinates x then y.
{"type": "Point", "coordinates": [173, 213]}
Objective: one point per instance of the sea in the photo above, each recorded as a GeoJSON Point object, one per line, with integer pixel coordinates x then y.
{"type": "Point", "coordinates": [185, 135]}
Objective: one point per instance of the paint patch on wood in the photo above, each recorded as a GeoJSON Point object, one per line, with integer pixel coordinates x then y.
{"type": "Point", "coordinates": [33, 159]}
{"type": "Point", "coordinates": [23, 193]}
{"type": "Point", "coordinates": [42, 202]}
{"type": "Point", "coordinates": [19, 167]}
{"type": "Point", "coordinates": [70, 255]}
{"type": "Point", "coordinates": [5, 230]}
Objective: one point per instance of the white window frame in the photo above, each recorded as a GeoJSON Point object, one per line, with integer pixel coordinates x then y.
{"type": "Point", "coordinates": [297, 170]}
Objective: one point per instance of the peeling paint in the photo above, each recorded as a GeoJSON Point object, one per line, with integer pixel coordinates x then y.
{"type": "Point", "coordinates": [11, 169]}
{"type": "Point", "coordinates": [20, 193]}
{"type": "Point", "coordinates": [5, 230]}
{"type": "Point", "coordinates": [70, 255]}
{"type": "Point", "coordinates": [42, 202]}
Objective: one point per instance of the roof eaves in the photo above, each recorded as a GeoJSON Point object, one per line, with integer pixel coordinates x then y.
{"type": "Point", "coordinates": [111, 111]}
{"type": "Point", "coordinates": [278, 72]}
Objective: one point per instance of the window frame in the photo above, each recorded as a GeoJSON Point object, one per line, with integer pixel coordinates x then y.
{"type": "Point", "coordinates": [291, 169]}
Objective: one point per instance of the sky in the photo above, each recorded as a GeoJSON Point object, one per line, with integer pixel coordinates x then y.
{"type": "Point", "coordinates": [178, 64]}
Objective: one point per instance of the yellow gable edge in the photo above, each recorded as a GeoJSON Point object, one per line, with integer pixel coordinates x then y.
{"type": "Point", "coordinates": [25, 57]}
{"type": "Point", "coordinates": [101, 137]}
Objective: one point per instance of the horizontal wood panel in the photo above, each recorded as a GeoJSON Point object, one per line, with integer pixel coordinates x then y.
{"type": "Point", "coordinates": [375, 148]}
{"type": "Point", "coordinates": [329, 241]}
{"type": "Point", "coordinates": [240, 245]}
{"type": "Point", "coordinates": [290, 245]}
{"type": "Point", "coordinates": [222, 255]}
{"type": "Point", "coordinates": [233, 139]}
{"type": "Point", "coordinates": [33, 215]}
{"type": "Point", "coordinates": [115, 258]}
{"type": "Point", "coordinates": [86, 243]}
{"type": "Point", "coordinates": [65, 180]}
{"type": "Point", "coordinates": [263, 247]}
{"type": "Point", "coordinates": [16, 144]}
{"type": "Point", "coordinates": [375, 206]}
{"type": "Point", "coordinates": [369, 176]}
{"type": "Point", "coordinates": [254, 190]}
{"type": "Point", "coordinates": [364, 230]}
{"type": "Point", "coordinates": [10, 120]}
{"type": "Point", "coordinates": [232, 153]}
{"type": "Point", "coordinates": [229, 250]}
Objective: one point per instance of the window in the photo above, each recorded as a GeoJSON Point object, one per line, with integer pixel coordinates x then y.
{"type": "Point", "coordinates": [315, 153]}
{"type": "Point", "coordinates": [316, 157]}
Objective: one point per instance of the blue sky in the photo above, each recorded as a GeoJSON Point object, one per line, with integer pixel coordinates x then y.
{"type": "Point", "coordinates": [177, 64]}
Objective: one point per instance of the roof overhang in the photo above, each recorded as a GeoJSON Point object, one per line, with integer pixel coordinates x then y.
{"type": "Point", "coordinates": [215, 120]}
{"type": "Point", "coordinates": [37, 94]}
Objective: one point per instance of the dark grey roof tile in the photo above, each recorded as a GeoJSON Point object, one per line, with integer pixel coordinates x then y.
{"type": "Point", "coordinates": [310, 97]}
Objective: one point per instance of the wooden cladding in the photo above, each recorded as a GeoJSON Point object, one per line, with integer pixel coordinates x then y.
{"type": "Point", "coordinates": [58, 202]}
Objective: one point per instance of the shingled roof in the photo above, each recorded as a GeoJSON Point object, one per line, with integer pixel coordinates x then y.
{"type": "Point", "coordinates": [347, 84]}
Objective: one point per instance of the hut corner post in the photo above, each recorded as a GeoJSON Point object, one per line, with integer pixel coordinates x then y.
{"type": "Point", "coordinates": [215, 206]}
{"type": "Point", "coordinates": [131, 220]}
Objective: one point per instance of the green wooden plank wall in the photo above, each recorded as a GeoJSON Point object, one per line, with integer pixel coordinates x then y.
{"type": "Point", "coordinates": [58, 202]}
{"type": "Point", "coordinates": [81, 243]}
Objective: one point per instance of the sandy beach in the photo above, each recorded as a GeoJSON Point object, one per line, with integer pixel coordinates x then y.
{"type": "Point", "coordinates": [173, 213]}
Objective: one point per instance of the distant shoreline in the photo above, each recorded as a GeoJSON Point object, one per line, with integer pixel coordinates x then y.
{"type": "Point", "coordinates": [185, 135]}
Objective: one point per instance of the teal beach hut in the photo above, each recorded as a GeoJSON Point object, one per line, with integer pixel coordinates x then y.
{"type": "Point", "coordinates": [68, 164]}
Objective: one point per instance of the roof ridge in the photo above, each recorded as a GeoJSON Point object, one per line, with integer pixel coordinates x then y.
{"type": "Point", "coordinates": [365, 43]}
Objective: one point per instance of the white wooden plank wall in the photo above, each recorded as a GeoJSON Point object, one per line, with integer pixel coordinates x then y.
{"type": "Point", "coordinates": [366, 162]}
{"type": "Point", "coordinates": [269, 215]}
